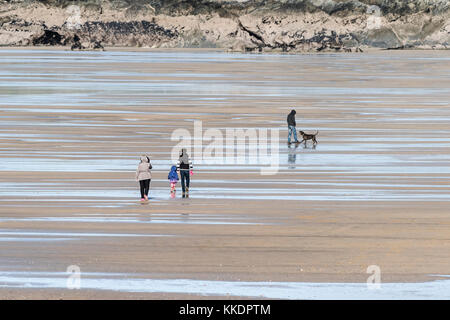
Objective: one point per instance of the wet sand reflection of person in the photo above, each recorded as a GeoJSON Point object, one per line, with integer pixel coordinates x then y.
{"type": "Point", "coordinates": [292, 155]}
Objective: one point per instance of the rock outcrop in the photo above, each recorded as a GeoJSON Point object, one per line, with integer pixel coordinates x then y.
{"type": "Point", "coordinates": [240, 25]}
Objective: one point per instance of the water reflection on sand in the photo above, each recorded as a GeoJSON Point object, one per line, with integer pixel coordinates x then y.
{"type": "Point", "coordinates": [72, 125]}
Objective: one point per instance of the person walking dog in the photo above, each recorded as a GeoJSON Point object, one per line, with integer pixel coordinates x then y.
{"type": "Point", "coordinates": [291, 126]}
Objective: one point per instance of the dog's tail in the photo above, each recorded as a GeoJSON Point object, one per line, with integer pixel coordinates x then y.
{"type": "Point", "coordinates": [317, 132]}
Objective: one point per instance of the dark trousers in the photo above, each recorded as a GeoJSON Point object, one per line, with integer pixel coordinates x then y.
{"type": "Point", "coordinates": [145, 186]}
{"type": "Point", "coordinates": [185, 179]}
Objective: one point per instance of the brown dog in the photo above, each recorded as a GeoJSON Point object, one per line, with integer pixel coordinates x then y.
{"type": "Point", "coordinates": [307, 137]}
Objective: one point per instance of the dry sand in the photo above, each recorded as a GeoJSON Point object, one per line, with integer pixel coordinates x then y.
{"type": "Point", "coordinates": [373, 192]}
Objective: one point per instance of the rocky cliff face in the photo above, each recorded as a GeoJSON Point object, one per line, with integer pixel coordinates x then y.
{"type": "Point", "coordinates": [241, 25]}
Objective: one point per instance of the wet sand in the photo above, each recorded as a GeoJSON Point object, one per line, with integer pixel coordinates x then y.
{"type": "Point", "coordinates": [375, 190]}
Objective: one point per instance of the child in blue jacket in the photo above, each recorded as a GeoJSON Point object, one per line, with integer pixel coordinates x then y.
{"type": "Point", "coordinates": [173, 178]}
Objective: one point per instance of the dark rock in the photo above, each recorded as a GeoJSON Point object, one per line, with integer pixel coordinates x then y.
{"type": "Point", "coordinates": [408, 46]}
{"type": "Point", "coordinates": [97, 46]}
{"type": "Point", "coordinates": [49, 38]}
{"type": "Point", "coordinates": [77, 46]}
{"type": "Point", "coordinates": [127, 28]}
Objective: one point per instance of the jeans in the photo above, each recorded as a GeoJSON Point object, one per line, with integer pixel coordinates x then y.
{"type": "Point", "coordinates": [292, 130]}
{"type": "Point", "coordinates": [185, 179]}
{"type": "Point", "coordinates": [145, 186]}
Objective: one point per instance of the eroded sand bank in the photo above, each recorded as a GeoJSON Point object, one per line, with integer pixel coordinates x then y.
{"type": "Point", "coordinates": [373, 192]}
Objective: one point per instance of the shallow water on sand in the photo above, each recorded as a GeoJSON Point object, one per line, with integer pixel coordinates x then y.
{"type": "Point", "coordinates": [438, 289]}
{"type": "Point", "coordinates": [73, 124]}
{"type": "Point", "coordinates": [376, 113]}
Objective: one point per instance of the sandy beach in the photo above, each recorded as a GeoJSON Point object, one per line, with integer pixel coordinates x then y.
{"type": "Point", "coordinates": [374, 191]}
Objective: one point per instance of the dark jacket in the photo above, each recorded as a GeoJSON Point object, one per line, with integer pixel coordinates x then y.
{"type": "Point", "coordinates": [291, 118]}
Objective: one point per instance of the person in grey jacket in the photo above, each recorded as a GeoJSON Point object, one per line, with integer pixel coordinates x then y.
{"type": "Point", "coordinates": [291, 126]}
{"type": "Point", "coordinates": [144, 176]}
